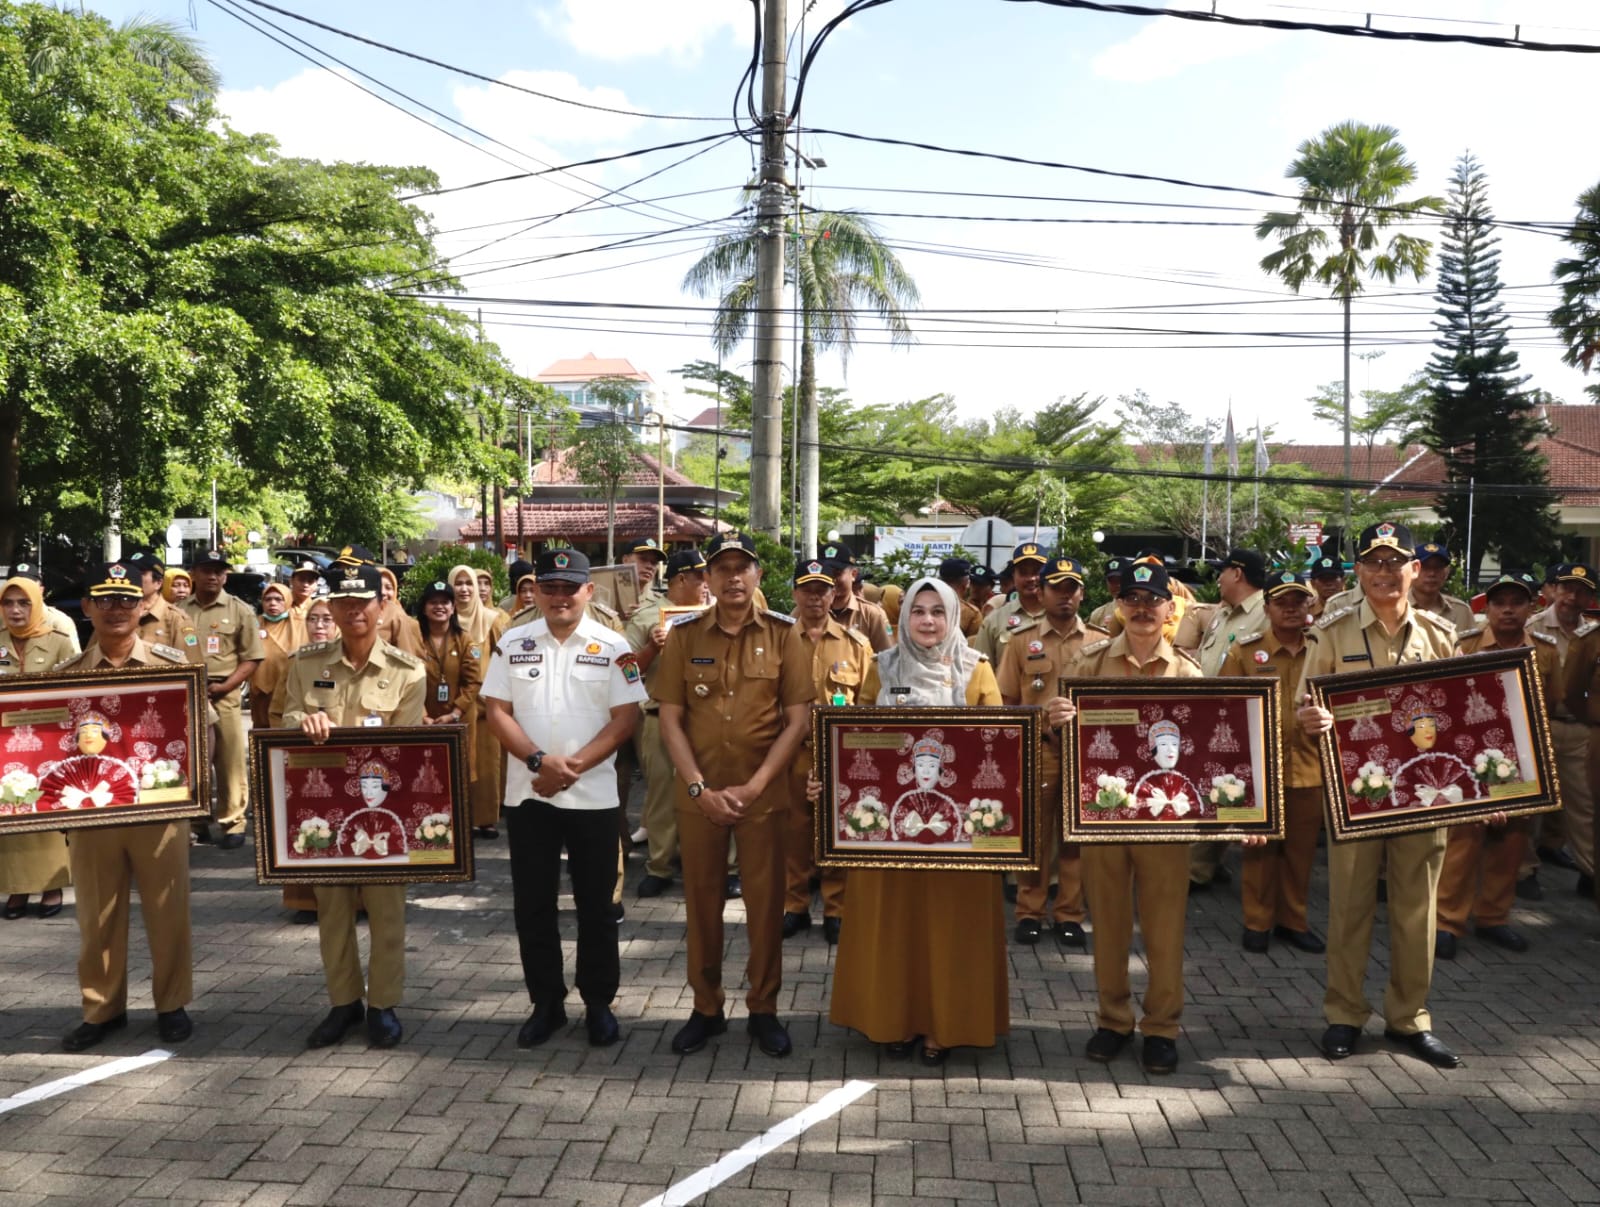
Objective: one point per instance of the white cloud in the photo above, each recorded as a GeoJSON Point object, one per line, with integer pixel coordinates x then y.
{"type": "Point", "coordinates": [632, 29]}
{"type": "Point", "coordinates": [1165, 48]}
{"type": "Point", "coordinates": [516, 117]}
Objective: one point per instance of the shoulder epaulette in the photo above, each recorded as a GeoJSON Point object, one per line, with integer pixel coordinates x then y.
{"type": "Point", "coordinates": [1544, 637]}
{"type": "Point", "coordinates": [1029, 622]}
{"type": "Point", "coordinates": [1185, 654]}
{"type": "Point", "coordinates": [858, 637]}
{"type": "Point", "coordinates": [66, 663]}
{"type": "Point", "coordinates": [1247, 638]}
{"type": "Point", "coordinates": [1443, 622]}
{"type": "Point", "coordinates": [1094, 628]}
{"type": "Point", "coordinates": [1095, 647]}
{"type": "Point", "coordinates": [316, 647]}
{"type": "Point", "coordinates": [771, 615]}
{"type": "Point", "coordinates": [518, 618]}
{"type": "Point", "coordinates": [604, 609]}
{"type": "Point", "coordinates": [167, 652]}
{"type": "Point", "coordinates": [1587, 627]}
{"type": "Point", "coordinates": [1337, 614]}
{"type": "Point", "coordinates": [402, 657]}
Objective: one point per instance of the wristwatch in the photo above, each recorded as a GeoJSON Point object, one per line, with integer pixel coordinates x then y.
{"type": "Point", "coordinates": [535, 761]}
{"type": "Point", "coordinates": [696, 788]}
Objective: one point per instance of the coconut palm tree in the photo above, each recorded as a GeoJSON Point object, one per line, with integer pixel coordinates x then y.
{"type": "Point", "coordinates": [1350, 179]}
{"type": "Point", "coordinates": [844, 270]}
{"type": "Point", "coordinates": [153, 41]}
{"type": "Point", "coordinates": [1577, 319]}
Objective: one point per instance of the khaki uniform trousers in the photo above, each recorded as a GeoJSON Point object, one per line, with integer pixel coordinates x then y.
{"type": "Point", "coordinates": [341, 956]}
{"type": "Point", "coordinates": [231, 759]}
{"type": "Point", "coordinates": [1204, 859]}
{"type": "Point", "coordinates": [800, 850]}
{"type": "Point", "coordinates": [105, 864]}
{"type": "Point", "coordinates": [1275, 880]}
{"type": "Point", "coordinates": [1033, 888]}
{"type": "Point", "coordinates": [1152, 877]}
{"type": "Point", "coordinates": [1414, 862]}
{"type": "Point", "coordinates": [1572, 741]}
{"type": "Point", "coordinates": [660, 817]}
{"type": "Point", "coordinates": [488, 785]}
{"type": "Point", "coordinates": [705, 850]}
{"type": "Point", "coordinates": [1479, 879]}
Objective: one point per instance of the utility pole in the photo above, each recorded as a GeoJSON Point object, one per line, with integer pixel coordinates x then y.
{"type": "Point", "coordinates": [766, 421]}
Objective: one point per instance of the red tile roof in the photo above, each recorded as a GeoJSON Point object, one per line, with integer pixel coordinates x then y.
{"type": "Point", "coordinates": [587, 522]}
{"type": "Point", "coordinates": [708, 418]}
{"type": "Point", "coordinates": [587, 368]}
{"type": "Point", "coordinates": [1573, 450]}
{"type": "Point", "coordinates": [643, 473]}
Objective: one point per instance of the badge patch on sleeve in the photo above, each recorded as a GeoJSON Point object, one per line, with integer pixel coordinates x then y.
{"type": "Point", "coordinates": [629, 665]}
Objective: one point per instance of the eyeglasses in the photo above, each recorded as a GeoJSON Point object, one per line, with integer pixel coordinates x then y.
{"type": "Point", "coordinates": [108, 603]}
{"type": "Point", "coordinates": [1385, 563]}
{"type": "Point", "coordinates": [1145, 603]}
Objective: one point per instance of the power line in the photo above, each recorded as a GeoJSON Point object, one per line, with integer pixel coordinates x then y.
{"type": "Point", "coordinates": [464, 71]}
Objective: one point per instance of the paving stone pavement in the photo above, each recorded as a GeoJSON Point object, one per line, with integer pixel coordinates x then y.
{"type": "Point", "coordinates": [243, 1114]}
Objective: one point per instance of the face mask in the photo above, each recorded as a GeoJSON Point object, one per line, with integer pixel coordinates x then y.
{"type": "Point", "coordinates": [275, 616]}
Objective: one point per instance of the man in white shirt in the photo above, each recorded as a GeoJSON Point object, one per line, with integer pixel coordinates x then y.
{"type": "Point", "coordinates": [563, 692]}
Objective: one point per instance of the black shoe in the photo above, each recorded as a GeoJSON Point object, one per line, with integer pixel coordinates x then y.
{"type": "Point", "coordinates": [1256, 941]}
{"type": "Point", "coordinates": [1070, 934]}
{"type": "Point", "coordinates": [541, 1025]}
{"type": "Point", "coordinates": [50, 904]}
{"type": "Point", "coordinates": [1427, 1046]}
{"type": "Point", "coordinates": [1559, 856]}
{"type": "Point", "coordinates": [1010, 891]}
{"type": "Point", "coordinates": [1383, 891]}
{"type": "Point", "coordinates": [692, 1036]}
{"type": "Point", "coordinates": [733, 890]}
{"type": "Point", "coordinates": [602, 1026]}
{"type": "Point", "coordinates": [1301, 940]}
{"type": "Point", "coordinates": [174, 1026]}
{"type": "Point", "coordinates": [793, 924]}
{"type": "Point", "coordinates": [1529, 888]}
{"type": "Point", "coordinates": [1028, 931]}
{"type": "Point", "coordinates": [1105, 1045]}
{"type": "Point", "coordinates": [934, 1057]}
{"type": "Point", "coordinates": [383, 1028]}
{"type": "Point", "coordinates": [769, 1034]}
{"type": "Point", "coordinates": [1444, 945]}
{"type": "Point", "coordinates": [1502, 936]}
{"type": "Point", "coordinates": [85, 1035]}
{"type": "Point", "coordinates": [16, 906]}
{"type": "Point", "coordinates": [305, 917]}
{"type": "Point", "coordinates": [1200, 886]}
{"type": "Point", "coordinates": [618, 912]}
{"type": "Point", "coordinates": [340, 1019]}
{"type": "Point", "coordinates": [1585, 885]}
{"type": "Point", "coordinates": [1160, 1055]}
{"type": "Point", "coordinates": [653, 886]}
{"type": "Point", "coordinates": [830, 930]}
{"type": "Point", "coordinates": [1339, 1041]}
{"type": "Point", "coordinates": [231, 842]}
{"type": "Point", "coordinates": [902, 1048]}
{"type": "Point", "coordinates": [201, 837]}
{"type": "Point", "coordinates": [488, 833]}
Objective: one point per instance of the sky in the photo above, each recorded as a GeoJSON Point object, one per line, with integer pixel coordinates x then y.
{"type": "Point", "coordinates": [1012, 313]}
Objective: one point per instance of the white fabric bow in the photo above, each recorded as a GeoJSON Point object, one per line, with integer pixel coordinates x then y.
{"type": "Point", "coordinates": [1159, 800]}
{"type": "Point", "coordinates": [97, 797]}
{"type": "Point", "coordinates": [362, 843]}
{"type": "Point", "coordinates": [1450, 792]}
{"type": "Point", "coordinates": [914, 825]}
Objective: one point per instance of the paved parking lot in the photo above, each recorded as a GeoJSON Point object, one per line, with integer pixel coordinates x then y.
{"type": "Point", "coordinates": [244, 1114]}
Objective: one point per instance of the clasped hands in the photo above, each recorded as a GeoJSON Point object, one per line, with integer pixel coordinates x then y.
{"type": "Point", "coordinates": [556, 774]}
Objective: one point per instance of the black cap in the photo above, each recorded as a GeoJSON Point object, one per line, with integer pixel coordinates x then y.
{"type": "Point", "coordinates": [1064, 570]}
{"type": "Point", "coordinates": [833, 551]}
{"type": "Point", "coordinates": [954, 569]}
{"type": "Point", "coordinates": [648, 545]}
{"type": "Point", "coordinates": [1580, 573]}
{"type": "Point", "coordinates": [147, 562]}
{"type": "Point", "coordinates": [1144, 576]}
{"type": "Point", "coordinates": [1250, 563]}
{"type": "Point", "coordinates": [307, 566]}
{"type": "Point", "coordinates": [815, 571]}
{"type": "Point", "coordinates": [1328, 567]}
{"type": "Point", "coordinates": [1386, 535]}
{"type": "Point", "coordinates": [212, 557]}
{"type": "Point", "coordinates": [1283, 582]}
{"type": "Point", "coordinates": [1115, 566]}
{"type": "Point", "coordinates": [354, 555]}
{"type": "Point", "coordinates": [684, 559]}
{"type": "Point", "coordinates": [520, 569]}
{"type": "Point", "coordinates": [436, 590]}
{"type": "Point", "coordinates": [353, 581]}
{"type": "Point", "coordinates": [983, 576]}
{"type": "Point", "coordinates": [733, 542]}
{"type": "Point", "coordinates": [562, 566]}
{"type": "Point", "coordinates": [1433, 549]}
{"type": "Point", "coordinates": [112, 578]}
{"type": "Point", "coordinates": [27, 570]}
{"type": "Point", "coordinates": [1520, 579]}
{"type": "Point", "coordinates": [1029, 551]}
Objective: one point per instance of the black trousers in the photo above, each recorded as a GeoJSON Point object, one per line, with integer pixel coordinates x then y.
{"type": "Point", "coordinates": [537, 831]}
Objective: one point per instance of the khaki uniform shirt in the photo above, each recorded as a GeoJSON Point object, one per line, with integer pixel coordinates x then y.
{"type": "Point", "coordinates": [1110, 658]}
{"type": "Point", "coordinates": [998, 626]}
{"type": "Point", "coordinates": [1031, 668]}
{"type": "Point", "coordinates": [36, 655]}
{"type": "Point", "coordinates": [1191, 630]}
{"type": "Point", "coordinates": [733, 688]}
{"type": "Point", "coordinates": [839, 662]}
{"type": "Point", "coordinates": [1580, 677]}
{"type": "Point", "coordinates": [1457, 611]}
{"type": "Point", "coordinates": [227, 633]}
{"type": "Point", "coordinates": [638, 629]}
{"type": "Point", "coordinates": [388, 690]}
{"type": "Point", "coordinates": [167, 624]}
{"type": "Point", "coordinates": [1227, 624]}
{"type": "Point", "coordinates": [1352, 639]}
{"type": "Point", "coordinates": [1263, 654]}
{"type": "Point", "coordinates": [62, 623]}
{"type": "Point", "coordinates": [866, 618]}
{"type": "Point", "coordinates": [1101, 616]}
{"type": "Point", "coordinates": [1546, 660]}
{"type": "Point", "coordinates": [971, 620]}
{"type": "Point", "coordinates": [453, 676]}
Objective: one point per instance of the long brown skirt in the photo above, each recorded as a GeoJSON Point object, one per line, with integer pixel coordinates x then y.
{"type": "Point", "coordinates": [924, 953]}
{"type": "Point", "coordinates": [35, 862]}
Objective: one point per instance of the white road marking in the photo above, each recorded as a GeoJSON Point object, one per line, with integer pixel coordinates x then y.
{"type": "Point", "coordinates": [63, 1085]}
{"type": "Point", "coordinates": [746, 1155]}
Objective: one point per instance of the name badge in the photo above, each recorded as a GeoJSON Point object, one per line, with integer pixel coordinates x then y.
{"type": "Point", "coordinates": [593, 660]}
{"type": "Point", "coordinates": [522, 659]}
{"type": "Point", "coordinates": [703, 661]}
{"type": "Point", "coordinates": [1357, 658]}
{"type": "Point", "coordinates": [322, 683]}
{"type": "Point", "coordinates": [899, 691]}
{"type": "Point", "coordinates": [372, 721]}
{"type": "Point", "coordinates": [444, 693]}
{"type": "Point", "coordinates": [213, 644]}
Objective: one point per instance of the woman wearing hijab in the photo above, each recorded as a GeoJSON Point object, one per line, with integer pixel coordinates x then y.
{"type": "Point", "coordinates": [31, 863]}
{"type": "Point", "coordinates": [394, 626]}
{"type": "Point", "coordinates": [282, 633]}
{"type": "Point", "coordinates": [176, 585]}
{"type": "Point", "coordinates": [454, 676]}
{"type": "Point", "coordinates": [923, 961]}
{"type": "Point", "coordinates": [482, 624]}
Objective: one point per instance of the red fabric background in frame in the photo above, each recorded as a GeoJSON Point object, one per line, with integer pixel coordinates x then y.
{"type": "Point", "coordinates": [418, 786]}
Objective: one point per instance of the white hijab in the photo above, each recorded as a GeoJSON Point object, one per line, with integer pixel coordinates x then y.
{"type": "Point", "coordinates": [936, 675]}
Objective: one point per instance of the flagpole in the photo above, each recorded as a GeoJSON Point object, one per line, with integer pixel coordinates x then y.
{"type": "Point", "coordinates": [1205, 499]}
{"type": "Point", "coordinates": [1232, 444]}
{"type": "Point", "coordinates": [1256, 509]}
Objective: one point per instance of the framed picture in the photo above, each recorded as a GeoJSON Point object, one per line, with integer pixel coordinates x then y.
{"type": "Point", "coordinates": [617, 587]}
{"type": "Point", "coordinates": [385, 806]}
{"type": "Point", "coordinates": [1435, 744]}
{"type": "Point", "coordinates": [104, 748]}
{"type": "Point", "coordinates": [671, 612]}
{"type": "Point", "coordinates": [1172, 760]}
{"type": "Point", "coordinates": [927, 787]}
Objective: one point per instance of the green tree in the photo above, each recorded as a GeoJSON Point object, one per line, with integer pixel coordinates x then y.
{"type": "Point", "coordinates": [843, 269]}
{"type": "Point", "coordinates": [1481, 422]}
{"type": "Point", "coordinates": [601, 456]}
{"type": "Point", "coordinates": [1401, 415]}
{"type": "Point", "coordinates": [1577, 318]}
{"type": "Point", "coordinates": [1350, 177]}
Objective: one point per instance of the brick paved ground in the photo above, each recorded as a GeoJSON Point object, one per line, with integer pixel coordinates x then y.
{"type": "Point", "coordinates": [244, 1114]}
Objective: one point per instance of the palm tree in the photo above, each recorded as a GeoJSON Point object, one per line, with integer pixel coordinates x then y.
{"type": "Point", "coordinates": [844, 269]}
{"type": "Point", "coordinates": [1577, 320]}
{"type": "Point", "coordinates": [152, 41]}
{"type": "Point", "coordinates": [1350, 180]}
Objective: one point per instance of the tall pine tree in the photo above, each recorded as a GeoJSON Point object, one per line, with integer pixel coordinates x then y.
{"type": "Point", "coordinates": [1481, 421]}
